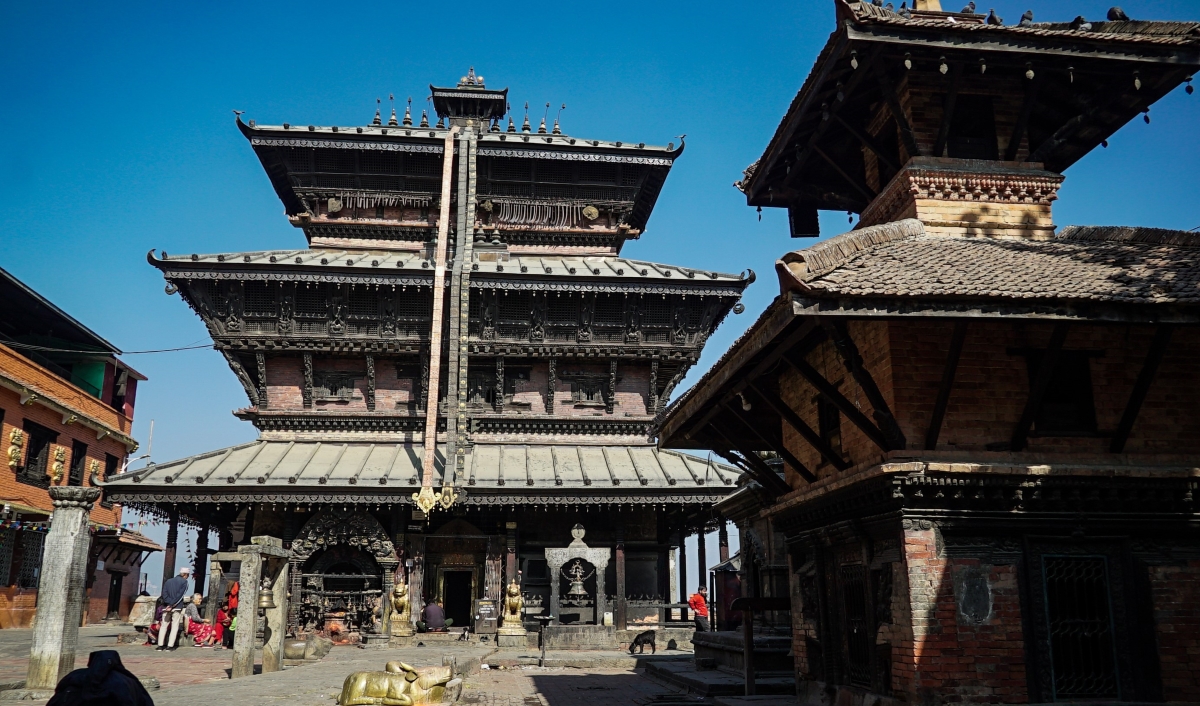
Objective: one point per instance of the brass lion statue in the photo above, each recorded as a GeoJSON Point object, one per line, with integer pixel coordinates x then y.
{"type": "Point", "coordinates": [400, 685]}
{"type": "Point", "coordinates": [401, 620]}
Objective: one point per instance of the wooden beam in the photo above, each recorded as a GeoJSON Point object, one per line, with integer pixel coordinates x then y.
{"type": "Point", "coordinates": [943, 396]}
{"type": "Point", "coordinates": [1041, 383]}
{"type": "Point", "coordinates": [869, 142]}
{"type": "Point", "coordinates": [1145, 378]}
{"type": "Point", "coordinates": [832, 394]}
{"type": "Point", "coordinates": [756, 468]}
{"type": "Point", "coordinates": [892, 98]}
{"type": "Point", "coordinates": [853, 361]}
{"type": "Point", "coordinates": [1014, 142]}
{"type": "Point", "coordinates": [956, 73]}
{"type": "Point", "coordinates": [780, 448]}
{"type": "Point", "coordinates": [860, 188]}
{"type": "Point", "coordinates": [789, 416]}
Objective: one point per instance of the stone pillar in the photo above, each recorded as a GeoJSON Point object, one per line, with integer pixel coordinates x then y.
{"type": "Point", "coordinates": [213, 600]}
{"type": "Point", "coordinates": [276, 617]}
{"type": "Point", "coordinates": [723, 541]}
{"type": "Point", "coordinates": [170, 549]}
{"type": "Point", "coordinates": [61, 588]}
{"type": "Point", "coordinates": [601, 594]}
{"type": "Point", "coordinates": [249, 579]}
{"type": "Point", "coordinates": [672, 587]}
{"type": "Point", "coordinates": [555, 579]}
{"type": "Point", "coordinates": [621, 619]}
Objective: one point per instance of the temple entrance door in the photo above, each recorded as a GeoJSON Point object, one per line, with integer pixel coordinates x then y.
{"type": "Point", "coordinates": [115, 584]}
{"type": "Point", "coordinates": [456, 589]}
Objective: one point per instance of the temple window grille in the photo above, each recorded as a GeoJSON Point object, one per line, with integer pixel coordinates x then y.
{"type": "Point", "coordinates": [260, 299]}
{"type": "Point", "coordinates": [598, 173]}
{"type": "Point", "coordinates": [1079, 620]}
{"type": "Point", "coordinates": [858, 624]}
{"type": "Point", "coordinates": [422, 164]}
{"type": "Point", "coordinates": [37, 456]}
{"type": "Point", "coordinates": [311, 301]}
{"type": "Point", "coordinates": [78, 461]}
{"type": "Point", "coordinates": [610, 310]}
{"type": "Point", "coordinates": [481, 387]}
{"type": "Point", "coordinates": [31, 559]}
{"type": "Point", "coordinates": [334, 387]}
{"type": "Point", "coordinates": [364, 303]}
{"type": "Point", "coordinates": [563, 310]}
{"type": "Point", "coordinates": [8, 541]}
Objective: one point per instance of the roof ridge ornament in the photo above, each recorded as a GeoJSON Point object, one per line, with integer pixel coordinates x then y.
{"type": "Point", "coordinates": [557, 130]}
{"type": "Point", "coordinates": [408, 113]}
{"type": "Point", "coordinates": [378, 118]}
{"type": "Point", "coordinates": [392, 120]}
{"type": "Point", "coordinates": [525, 125]}
{"type": "Point", "coordinates": [471, 79]}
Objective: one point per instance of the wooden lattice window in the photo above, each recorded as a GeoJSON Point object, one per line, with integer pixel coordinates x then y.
{"type": "Point", "coordinates": [1079, 617]}
{"type": "Point", "coordinates": [598, 173]}
{"type": "Point", "coordinates": [334, 386]}
{"type": "Point", "coordinates": [973, 129]}
{"type": "Point", "coordinates": [310, 301]}
{"type": "Point", "coordinates": [512, 169]}
{"type": "Point", "coordinates": [364, 303]}
{"type": "Point", "coordinates": [8, 542]}
{"type": "Point", "coordinates": [563, 310]}
{"type": "Point", "coordinates": [610, 310]}
{"type": "Point", "coordinates": [37, 454]}
{"type": "Point", "coordinates": [260, 299]}
{"type": "Point", "coordinates": [78, 463]}
{"type": "Point", "coordinates": [32, 544]}
{"type": "Point", "coordinates": [554, 171]}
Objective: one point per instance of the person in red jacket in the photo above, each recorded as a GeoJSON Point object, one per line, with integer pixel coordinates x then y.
{"type": "Point", "coordinates": [699, 605]}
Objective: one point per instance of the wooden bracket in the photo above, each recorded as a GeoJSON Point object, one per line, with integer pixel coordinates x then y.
{"type": "Point", "coordinates": [948, 373]}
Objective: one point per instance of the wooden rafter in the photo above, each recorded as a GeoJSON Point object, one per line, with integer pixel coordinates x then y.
{"type": "Point", "coordinates": [857, 186]}
{"type": "Point", "coordinates": [789, 416]}
{"type": "Point", "coordinates": [853, 362]}
{"type": "Point", "coordinates": [869, 142]}
{"type": "Point", "coordinates": [1031, 95]}
{"type": "Point", "coordinates": [892, 99]}
{"type": "Point", "coordinates": [1041, 383]}
{"type": "Point", "coordinates": [762, 473]}
{"type": "Point", "coordinates": [956, 73]}
{"type": "Point", "coordinates": [779, 448]}
{"type": "Point", "coordinates": [832, 394]}
{"type": "Point", "coordinates": [948, 372]}
{"type": "Point", "coordinates": [1145, 378]}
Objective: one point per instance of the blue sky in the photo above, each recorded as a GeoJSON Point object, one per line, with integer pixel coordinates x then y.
{"type": "Point", "coordinates": [116, 136]}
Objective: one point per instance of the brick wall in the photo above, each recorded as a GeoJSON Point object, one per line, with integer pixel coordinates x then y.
{"type": "Point", "coordinates": [1176, 596]}
{"type": "Point", "coordinates": [923, 95]}
{"type": "Point", "coordinates": [945, 654]}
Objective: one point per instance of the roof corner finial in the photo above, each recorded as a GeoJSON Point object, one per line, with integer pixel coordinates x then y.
{"type": "Point", "coordinates": [441, 123]}
{"type": "Point", "coordinates": [424, 118]}
{"type": "Point", "coordinates": [525, 125]}
{"type": "Point", "coordinates": [542, 127]}
{"type": "Point", "coordinates": [378, 118]}
{"type": "Point", "coordinates": [408, 113]}
{"type": "Point", "coordinates": [392, 120]}
{"type": "Point", "coordinates": [557, 130]}
{"type": "Point", "coordinates": [495, 125]}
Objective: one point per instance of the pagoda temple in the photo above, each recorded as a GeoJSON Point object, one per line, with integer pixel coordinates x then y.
{"type": "Point", "coordinates": [989, 421]}
{"type": "Point", "coordinates": [457, 371]}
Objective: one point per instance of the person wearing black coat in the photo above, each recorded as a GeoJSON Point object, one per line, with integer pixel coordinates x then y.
{"type": "Point", "coordinates": [104, 682]}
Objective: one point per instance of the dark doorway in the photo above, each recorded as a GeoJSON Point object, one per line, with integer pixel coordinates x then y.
{"type": "Point", "coordinates": [456, 595]}
{"type": "Point", "coordinates": [115, 583]}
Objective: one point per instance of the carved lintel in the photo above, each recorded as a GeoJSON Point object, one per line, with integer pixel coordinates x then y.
{"type": "Point", "coordinates": [308, 380]}
{"type": "Point", "coordinates": [370, 382]}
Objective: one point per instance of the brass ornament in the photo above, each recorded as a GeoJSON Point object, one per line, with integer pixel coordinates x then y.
{"type": "Point", "coordinates": [425, 499]}
{"type": "Point", "coordinates": [401, 685]}
{"type": "Point", "coordinates": [94, 472]}
{"type": "Point", "coordinates": [591, 213]}
{"type": "Point", "coordinates": [56, 468]}
{"type": "Point", "coordinates": [16, 442]}
{"type": "Point", "coordinates": [448, 497]}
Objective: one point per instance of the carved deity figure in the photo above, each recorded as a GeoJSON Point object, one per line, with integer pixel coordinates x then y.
{"type": "Point", "coordinates": [286, 309]}
{"type": "Point", "coordinates": [16, 442]}
{"type": "Point", "coordinates": [514, 604]}
{"type": "Point", "coordinates": [401, 685]}
{"type": "Point", "coordinates": [401, 620]}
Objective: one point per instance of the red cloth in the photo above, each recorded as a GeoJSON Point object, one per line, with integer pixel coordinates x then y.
{"type": "Point", "coordinates": [699, 605]}
{"type": "Point", "coordinates": [233, 596]}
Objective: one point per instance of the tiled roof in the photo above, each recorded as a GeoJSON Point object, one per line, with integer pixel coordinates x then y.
{"type": "Point", "coordinates": [281, 468]}
{"type": "Point", "coordinates": [1082, 263]}
{"type": "Point", "coordinates": [339, 262]}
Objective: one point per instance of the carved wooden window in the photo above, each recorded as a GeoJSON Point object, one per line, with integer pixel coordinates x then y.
{"type": "Point", "coordinates": [513, 376]}
{"type": "Point", "coordinates": [260, 299]}
{"type": "Point", "coordinates": [364, 303]}
{"type": "Point", "coordinates": [1068, 407]}
{"type": "Point", "coordinates": [311, 302]}
{"type": "Point", "coordinates": [973, 129]}
{"type": "Point", "coordinates": [336, 161]}
{"type": "Point", "coordinates": [858, 624]}
{"type": "Point", "coordinates": [587, 389]}
{"type": "Point", "coordinates": [38, 448]}
{"type": "Point", "coordinates": [334, 386]}
{"type": "Point", "coordinates": [8, 542]}
{"type": "Point", "coordinates": [515, 312]}
{"type": "Point", "coordinates": [555, 171]}
{"type": "Point", "coordinates": [657, 312]}
{"type": "Point", "coordinates": [378, 162]}
{"type": "Point", "coordinates": [78, 463]}
{"type": "Point", "coordinates": [1080, 625]}
{"type": "Point", "coordinates": [299, 159]}
{"type": "Point", "coordinates": [598, 173]}
{"type": "Point", "coordinates": [32, 544]}
{"type": "Point", "coordinates": [631, 175]}
{"type": "Point", "coordinates": [481, 387]}
{"type": "Point", "coordinates": [419, 164]}
{"type": "Point", "coordinates": [610, 310]}
{"type": "Point", "coordinates": [512, 169]}
{"type": "Point", "coordinates": [563, 310]}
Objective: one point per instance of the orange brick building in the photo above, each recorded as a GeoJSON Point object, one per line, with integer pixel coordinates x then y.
{"type": "Point", "coordinates": [66, 409]}
{"type": "Point", "coordinates": [988, 427]}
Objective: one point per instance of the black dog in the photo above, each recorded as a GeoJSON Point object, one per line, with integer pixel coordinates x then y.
{"type": "Point", "coordinates": [643, 639]}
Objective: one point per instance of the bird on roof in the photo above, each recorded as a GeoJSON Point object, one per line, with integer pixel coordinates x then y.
{"type": "Point", "coordinates": [969, 9]}
{"type": "Point", "coordinates": [994, 19]}
{"type": "Point", "coordinates": [1081, 24]}
{"type": "Point", "coordinates": [1116, 14]}
{"type": "Point", "coordinates": [904, 11]}
{"type": "Point", "coordinates": [877, 3]}
{"type": "Point", "coordinates": [1026, 19]}
{"type": "Point", "coordinates": [890, 7]}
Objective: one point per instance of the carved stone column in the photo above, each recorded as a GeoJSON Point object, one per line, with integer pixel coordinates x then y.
{"type": "Point", "coordinates": [243, 638]}
{"type": "Point", "coordinates": [276, 618]}
{"type": "Point", "coordinates": [61, 588]}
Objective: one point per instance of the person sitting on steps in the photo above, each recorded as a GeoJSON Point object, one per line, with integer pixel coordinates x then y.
{"type": "Point", "coordinates": [435, 619]}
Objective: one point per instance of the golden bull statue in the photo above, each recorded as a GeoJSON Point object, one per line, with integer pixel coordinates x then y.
{"type": "Point", "coordinates": [400, 685]}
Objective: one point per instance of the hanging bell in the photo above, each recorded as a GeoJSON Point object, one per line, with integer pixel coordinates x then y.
{"type": "Point", "coordinates": [266, 600]}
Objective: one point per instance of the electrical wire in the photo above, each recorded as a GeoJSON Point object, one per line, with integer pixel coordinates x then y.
{"type": "Point", "coordinates": [48, 349]}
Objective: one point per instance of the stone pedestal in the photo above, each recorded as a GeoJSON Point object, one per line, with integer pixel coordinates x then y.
{"type": "Point", "coordinates": [61, 588]}
{"type": "Point", "coordinates": [513, 640]}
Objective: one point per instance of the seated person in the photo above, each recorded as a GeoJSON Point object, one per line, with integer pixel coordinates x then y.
{"type": "Point", "coordinates": [435, 618]}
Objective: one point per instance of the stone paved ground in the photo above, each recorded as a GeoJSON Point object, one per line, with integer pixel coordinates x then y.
{"type": "Point", "coordinates": [194, 675]}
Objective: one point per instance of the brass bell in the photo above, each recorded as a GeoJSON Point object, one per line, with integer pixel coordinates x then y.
{"type": "Point", "coordinates": [266, 600]}
{"type": "Point", "coordinates": [577, 589]}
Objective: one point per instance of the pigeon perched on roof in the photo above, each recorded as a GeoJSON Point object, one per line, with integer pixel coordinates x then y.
{"type": "Point", "coordinates": [1081, 24]}
{"type": "Point", "coordinates": [969, 9]}
{"type": "Point", "coordinates": [994, 19]}
{"type": "Point", "coordinates": [904, 11]}
{"type": "Point", "coordinates": [1116, 14]}
{"type": "Point", "coordinates": [877, 3]}
{"type": "Point", "coordinates": [1026, 19]}
{"type": "Point", "coordinates": [890, 7]}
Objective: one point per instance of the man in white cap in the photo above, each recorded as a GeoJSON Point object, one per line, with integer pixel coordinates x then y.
{"type": "Point", "coordinates": [174, 594]}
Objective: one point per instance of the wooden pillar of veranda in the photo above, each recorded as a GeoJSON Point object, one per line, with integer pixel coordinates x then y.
{"type": "Point", "coordinates": [622, 616]}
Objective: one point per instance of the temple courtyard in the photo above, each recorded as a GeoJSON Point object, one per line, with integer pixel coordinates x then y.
{"type": "Point", "coordinates": [191, 675]}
